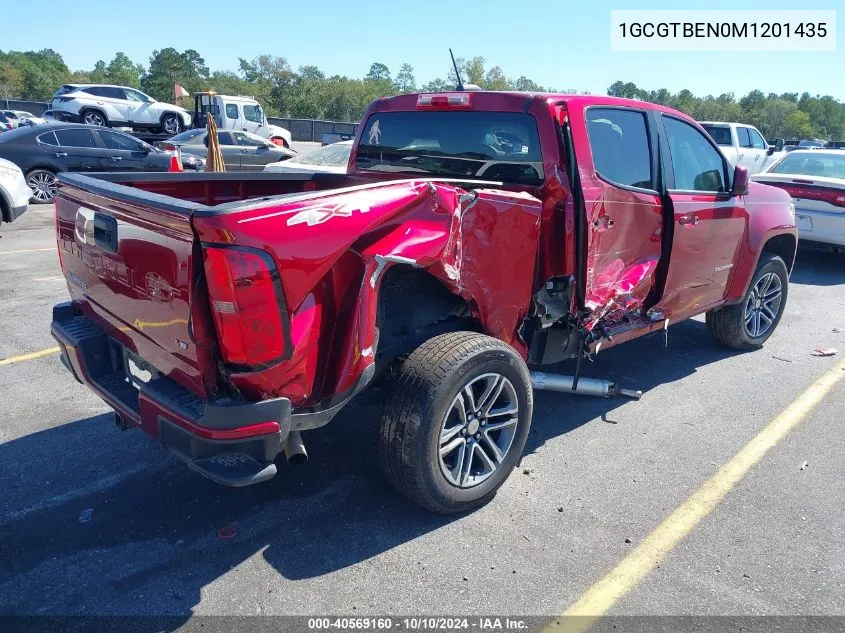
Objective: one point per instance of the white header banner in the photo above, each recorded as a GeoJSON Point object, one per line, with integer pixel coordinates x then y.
{"type": "Point", "coordinates": [723, 30]}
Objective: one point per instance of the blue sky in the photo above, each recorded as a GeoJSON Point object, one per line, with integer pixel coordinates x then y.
{"type": "Point", "coordinates": [564, 44]}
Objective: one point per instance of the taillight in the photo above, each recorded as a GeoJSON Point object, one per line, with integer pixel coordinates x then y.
{"type": "Point", "coordinates": [836, 197]}
{"type": "Point", "coordinates": [168, 147]}
{"type": "Point", "coordinates": [448, 101]}
{"type": "Point", "coordinates": [247, 305]}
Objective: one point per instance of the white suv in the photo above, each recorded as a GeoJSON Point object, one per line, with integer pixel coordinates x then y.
{"type": "Point", "coordinates": [14, 192]}
{"type": "Point", "coordinates": [117, 106]}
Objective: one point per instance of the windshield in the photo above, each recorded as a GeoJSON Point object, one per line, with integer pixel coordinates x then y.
{"type": "Point", "coordinates": [721, 135]}
{"type": "Point", "coordinates": [336, 155]}
{"type": "Point", "coordinates": [812, 164]}
{"type": "Point", "coordinates": [501, 146]}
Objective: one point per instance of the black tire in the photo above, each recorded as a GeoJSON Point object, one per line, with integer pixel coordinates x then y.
{"type": "Point", "coordinates": [93, 117]}
{"type": "Point", "coordinates": [42, 182]}
{"type": "Point", "coordinates": [171, 123]}
{"type": "Point", "coordinates": [727, 325]}
{"type": "Point", "coordinates": [426, 387]}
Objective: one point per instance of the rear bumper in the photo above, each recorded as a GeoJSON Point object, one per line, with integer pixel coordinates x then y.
{"type": "Point", "coordinates": [232, 443]}
{"type": "Point", "coordinates": [818, 226]}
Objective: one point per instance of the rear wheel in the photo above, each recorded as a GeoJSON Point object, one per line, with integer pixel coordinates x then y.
{"type": "Point", "coordinates": [456, 421]}
{"type": "Point", "coordinates": [42, 182]}
{"type": "Point", "coordinates": [94, 117]}
{"type": "Point", "coordinates": [749, 324]}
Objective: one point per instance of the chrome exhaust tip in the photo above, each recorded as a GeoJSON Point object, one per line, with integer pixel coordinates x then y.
{"type": "Point", "coordinates": [295, 452]}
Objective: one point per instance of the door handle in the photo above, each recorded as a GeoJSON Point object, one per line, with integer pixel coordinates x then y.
{"type": "Point", "coordinates": [117, 157]}
{"type": "Point", "coordinates": [689, 220]}
{"type": "Point", "coordinates": [244, 151]}
{"type": "Point", "coordinates": [61, 154]}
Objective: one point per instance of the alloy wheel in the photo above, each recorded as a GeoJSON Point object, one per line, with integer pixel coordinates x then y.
{"type": "Point", "coordinates": [478, 430]}
{"type": "Point", "coordinates": [43, 185]}
{"type": "Point", "coordinates": [763, 305]}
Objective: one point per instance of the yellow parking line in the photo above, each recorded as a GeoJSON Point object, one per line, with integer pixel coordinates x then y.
{"type": "Point", "coordinates": [30, 356]}
{"type": "Point", "coordinates": [626, 575]}
{"type": "Point", "coordinates": [28, 250]}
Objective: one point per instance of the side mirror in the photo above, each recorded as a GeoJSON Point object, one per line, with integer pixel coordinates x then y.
{"type": "Point", "coordinates": [778, 144]}
{"type": "Point", "coordinates": [740, 186]}
{"type": "Point", "coordinates": [771, 150]}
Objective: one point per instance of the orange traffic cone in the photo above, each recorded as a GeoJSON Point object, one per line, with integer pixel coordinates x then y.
{"type": "Point", "coordinates": [175, 161]}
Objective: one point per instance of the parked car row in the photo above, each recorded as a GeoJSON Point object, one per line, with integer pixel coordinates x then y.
{"type": "Point", "coordinates": [43, 151]}
{"type": "Point", "coordinates": [242, 151]}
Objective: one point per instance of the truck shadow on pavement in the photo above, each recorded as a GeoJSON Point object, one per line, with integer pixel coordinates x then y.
{"type": "Point", "coordinates": [133, 531]}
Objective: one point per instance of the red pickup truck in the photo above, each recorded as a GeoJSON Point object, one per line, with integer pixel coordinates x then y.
{"type": "Point", "coordinates": [474, 234]}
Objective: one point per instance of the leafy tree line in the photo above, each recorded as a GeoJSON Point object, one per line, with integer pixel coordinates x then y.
{"type": "Point", "coordinates": [788, 115]}
{"type": "Point", "coordinates": [307, 92]}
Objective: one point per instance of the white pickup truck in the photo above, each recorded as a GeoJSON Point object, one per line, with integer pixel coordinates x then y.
{"type": "Point", "coordinates": [741, 144]}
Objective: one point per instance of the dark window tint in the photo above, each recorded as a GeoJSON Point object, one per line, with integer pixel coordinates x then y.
{"type": "Point", "coordinates": [253, 113]}
{"type": "Point", "coordinates": [744, 137]}
{"type": "Point", "coordinates": [756, 140]}
{"type": "Point", "coordinates": [113, 140]}
{"type": "Point", "coordinates": [93, 90]}
{"type": "Point", "coordinates": [232, 110]}
{"type": "Point", "coordinates": [225, 138]}
{"type": "Point", "coordinates": [697, 164]}
{"type": "Point", "coordinates": [76, 138]}
{"type": "Point", "coordinates": [114, 93]}
{"type": "Point", "coordinates": [499, 146]}
{"type": "Point", "coordinates": [721, 135]}
{"type": "Point", "coordinates": [619, 143]}
{"type": "Point", "coordinates": [48, 139]}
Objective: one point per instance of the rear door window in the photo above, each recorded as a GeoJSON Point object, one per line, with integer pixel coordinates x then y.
{"type": "Point", "coordinates": [744, 137]}
{"type": "Point", "coordinates": [76, 137]}
{"type": "Point", "coordinates": [48, 139]}
{"type": "Point", "coordinates": [225, 138]}
{"type": "Point", "coordinates": [620, 146]}
{"type": "Point", "coordinates": [113, 140]}
{"type": "Point", "coordinates": [232, 110]}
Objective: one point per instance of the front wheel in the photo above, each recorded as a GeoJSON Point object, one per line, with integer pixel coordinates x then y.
{"type": "Point", "coordinates": [171, 124]}
{"type": "Point", "coordinates": [43, 185]}
{"type": "Point", "coordinates": [456, 421]}
{"type": "Point", "coordinates": [749, 324]}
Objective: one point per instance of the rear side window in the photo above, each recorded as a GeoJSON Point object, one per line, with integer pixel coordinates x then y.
{"type": "Point", "coordinates": [225, 138]}
{"type": "Point", "coordinates": [76, 138]}
{"type": "Point", "coordinates": [48, 139]}
{"type": "Point", "coordinates": [698, 166]}
{"type": "Point", "coordinates": [232, 110]}
{"type": "Point", "coordinates": [721, 135]}
{"type": "Point", "coordinates": [620, 147]}
{"type": "Point", "coordinates": [744, 137]}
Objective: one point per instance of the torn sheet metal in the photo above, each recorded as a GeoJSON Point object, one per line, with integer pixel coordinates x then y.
{"type": "Point", "coordinates": [619, 290]}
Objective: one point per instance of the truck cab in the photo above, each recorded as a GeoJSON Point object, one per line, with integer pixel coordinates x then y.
{"type": "Point", "coordinates": [238, 113]}
{"type": "Point", "coordinates": [741, 144]}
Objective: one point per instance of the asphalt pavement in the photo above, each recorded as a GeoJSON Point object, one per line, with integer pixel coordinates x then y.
{"type": "Point", "coordinates": [95, 521]}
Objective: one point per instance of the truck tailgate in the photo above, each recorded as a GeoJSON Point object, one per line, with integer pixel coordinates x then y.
{"type": "Point", "coordinates": [135, 271]}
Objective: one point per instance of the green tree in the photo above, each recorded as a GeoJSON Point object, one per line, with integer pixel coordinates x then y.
{"type": "Point", "coordinates": [122, 71]}
{"type": "Point", "coordinates": [98, 75]}
{"type": "Point", "coordinates": [797, 125]}
{"type": "Point", "coordinates": [11, 81]}
{"type": "Point", "coordinates": [378, 72]}
{"type": "Point", "coordinates": [169, 67]}
{"type": "Point", "coordinates": [405, 81]}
